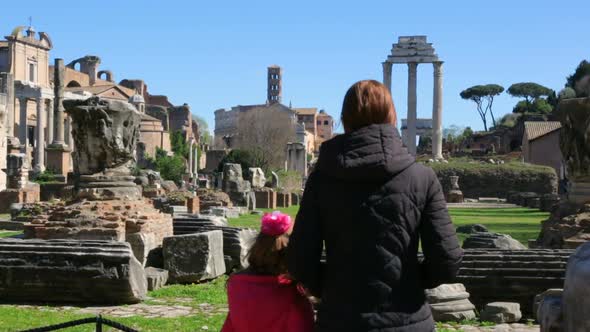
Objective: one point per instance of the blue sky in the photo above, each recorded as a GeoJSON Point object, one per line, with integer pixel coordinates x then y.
{"type": "Point", "coordinates": [214, 54]}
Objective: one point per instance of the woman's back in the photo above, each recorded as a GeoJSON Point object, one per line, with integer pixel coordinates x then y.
{"type": "Point", "coordinates": [371, 203]}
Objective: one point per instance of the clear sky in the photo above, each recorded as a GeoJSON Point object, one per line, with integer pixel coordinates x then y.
{"type": "Point", "coordinates": [214, 54]}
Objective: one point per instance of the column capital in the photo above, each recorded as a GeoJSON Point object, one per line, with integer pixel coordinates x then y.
{"type": "Point", "coordinates": [412, 65]}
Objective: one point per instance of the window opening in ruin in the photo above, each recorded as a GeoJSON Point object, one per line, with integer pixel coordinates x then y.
{"type": "Point", "coordinates": [31, 135]}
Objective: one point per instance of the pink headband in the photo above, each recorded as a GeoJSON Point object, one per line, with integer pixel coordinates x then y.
{"type": "Point", "coordinates": [275, 223]}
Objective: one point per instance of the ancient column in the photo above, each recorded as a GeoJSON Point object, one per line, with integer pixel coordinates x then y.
{"type": "Point", "coordinates": [387, 66]}
{"type": "Point", "coordinates": [40, 138]}
{"type": "Point", "coordinates": [58, 153]}
{"type": "Point", "coordinates": [10, 107]}
{"type": "Point", "coordinates": [412, 113]}
{"type": "Point", "coordinates": [437, 111]}
{"type": "Point", "coordinates": [50, 122]}
{"type": "Point", "coordinates": [58, 104]}
{"type": "Point", "coordinates": [190, 159]}
{"type": "Point", "coordinates": [195, 164]}
{"type": "Point", "coordinates": [22, 126]}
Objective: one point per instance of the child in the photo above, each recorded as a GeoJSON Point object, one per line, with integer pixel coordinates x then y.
{"type": "Point", "coordinates": [263, 297]}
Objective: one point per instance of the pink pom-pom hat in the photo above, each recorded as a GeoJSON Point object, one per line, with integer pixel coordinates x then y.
{"type": "Point", "coordinates": [275, 223]}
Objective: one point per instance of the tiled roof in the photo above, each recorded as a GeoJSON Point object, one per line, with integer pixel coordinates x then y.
{"type": "Point", "coordinates": [536, 129]}
{"type": "Point", "coordinates": [306, 111]}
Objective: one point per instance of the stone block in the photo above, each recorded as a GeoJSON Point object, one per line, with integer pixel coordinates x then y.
{"type": "Point", "coordinates": [492, 241]}
{"type": "Point", "coordinates": [194, 257]}
{"type": "Point", "coordinates": [548, 310]}
{"type": "Point", "coordinates": [142, 244]}
{"type": "Point", "coordinates": [491, 275]}
{"type": "Point", "coordinates": [257, 177]}
{"type": "Point", "coordinates": [266, 199]}
{"type": "Point", "coordinates": [193, 205]}
{"type": "Point", "coordinates": [450, 302]}
{"type": "Point", "coordinates": [576, 291]}
{"type": "Point", "coordinates": [70, 271]}
{"type": "Point", "coordinates": [30, 194]}
{"type": "Point", "coordinates": [283, 200]}
{"type": "Point", "coordinates": [470, 229]}
{"type": "Point", "coordinates": [156, 278]}
{"type": "Point", "coordinates": [295, 199]}
{"type": "Point", "coordinates": [11, 225]}
{"type": "Point", "coordinates": [501, 312]}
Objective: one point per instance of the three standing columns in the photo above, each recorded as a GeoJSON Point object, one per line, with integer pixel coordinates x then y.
{"type": "Point", "coordinates": [412, 105]}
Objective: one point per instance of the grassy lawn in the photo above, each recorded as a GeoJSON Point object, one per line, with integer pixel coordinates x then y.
{"type": "Point", "coordinates": [520, 223]}
{"type": "Point", "coordinates": [9, 233]}
{"type": "Point", "coordinates": [19, 318]}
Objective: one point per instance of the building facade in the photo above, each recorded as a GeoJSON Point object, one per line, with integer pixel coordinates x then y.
{"type": "Point", "coordinates": [540, 145]}
{"type": "Point", "coordinates": [32, 120]}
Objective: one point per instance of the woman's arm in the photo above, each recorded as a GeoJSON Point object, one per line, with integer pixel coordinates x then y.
{"type": "Point", "coordinates": [442, 253]}
{"type": "Point", "coordinates": [306, 241]}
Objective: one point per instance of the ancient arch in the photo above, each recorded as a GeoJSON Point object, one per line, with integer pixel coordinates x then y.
{"type": "Point", "coordinates": [73, 84]}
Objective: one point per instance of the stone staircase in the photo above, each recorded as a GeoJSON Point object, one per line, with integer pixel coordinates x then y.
{"type": "Point", "coordinates": [512, 275]}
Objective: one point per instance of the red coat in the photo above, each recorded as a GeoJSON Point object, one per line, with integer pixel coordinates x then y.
{"type": "Point", "coordinates": [266, 304]}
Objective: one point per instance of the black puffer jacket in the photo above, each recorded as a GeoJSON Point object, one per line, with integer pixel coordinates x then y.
{"type": "Point", "coordinates": [369, 203]}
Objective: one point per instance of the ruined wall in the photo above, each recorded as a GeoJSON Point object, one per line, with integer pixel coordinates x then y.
{"type": "Point", "coordinates": [489, 180]}
{"type": "Point", "coordinates": [544, 151]}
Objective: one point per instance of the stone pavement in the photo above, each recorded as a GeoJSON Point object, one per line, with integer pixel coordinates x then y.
{"type": "Point", "coordinates": [497, 328]}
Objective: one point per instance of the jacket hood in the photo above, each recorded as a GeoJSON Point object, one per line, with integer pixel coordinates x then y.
{"type": "Point", "coordinates": [371, 153]}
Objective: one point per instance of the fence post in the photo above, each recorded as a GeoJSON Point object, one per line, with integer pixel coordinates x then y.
{"type": "Point", "coordinates": [99, 323]}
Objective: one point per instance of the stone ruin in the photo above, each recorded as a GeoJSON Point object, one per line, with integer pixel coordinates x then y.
{"type": "Point", "coordinates": [569, 223]}
{"type": "Point", "coordinates": [455, 195]}
{"type": "Point", "coordinates": [18, 187]}
{"type": "Point", "coordinates": [109, 204]}
{"type": "Point", "coordinates": [518, 276]}
{"type": "Point", "coordinates": [70, 271]}
{"type": "Point", "coordinates": [238, 189]}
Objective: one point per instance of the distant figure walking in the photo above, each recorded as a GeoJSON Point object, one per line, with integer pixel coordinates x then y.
{"type": "Point", "coordinates": [369, 205]}
{"type": "Point", "coordinates": [264, 297]}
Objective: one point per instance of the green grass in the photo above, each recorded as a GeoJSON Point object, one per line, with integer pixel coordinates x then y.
{"type": "Point", "coordinates": [520, 223]}
{"type": "Point", "coordinates": [15, 319]}
{"type": "Point", "coordinates": [9, 233]}
{"type": "Point", "coordinates": [18, 318]}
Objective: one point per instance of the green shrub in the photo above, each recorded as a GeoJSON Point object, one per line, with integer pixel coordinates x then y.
{"type": "Point", "coordinates": [243, 157]}
{"type": "Point", "coordinates": [46, 176]}
{"type": "Point", "coordinates": [290, 181]}
{"type": "Point", "coordinates": [478, 179]}
{"type": "Point", "coordinates": [170, 167]}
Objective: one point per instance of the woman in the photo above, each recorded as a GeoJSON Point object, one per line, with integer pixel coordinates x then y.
{"type": "Point", "coordinates": [369, 204]}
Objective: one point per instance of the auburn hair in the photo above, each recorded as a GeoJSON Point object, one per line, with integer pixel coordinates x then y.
{"type": "Point", "coordinates": [365, 103]}
{"type": "Point", "coordinates": [268, 254]}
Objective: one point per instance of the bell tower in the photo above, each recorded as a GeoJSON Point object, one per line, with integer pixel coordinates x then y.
{"type": "Point", "coordinates": [274, 86]}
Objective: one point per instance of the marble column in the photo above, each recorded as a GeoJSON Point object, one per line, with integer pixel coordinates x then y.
{"type": "Point", "coordinates": [412, 112]}
{"type": "Point", "coordinates": [69, 127]}
{"type": "Point", "coordinates": [10, 106]}
{"type": "Point", "coordinates": [50, 121]}
{"type": "Point", "coordinates": [437, 111]}
{"type": "Point", "coordinates": [387, 66]}
{"type": "Point", "coordinates": [190, 159]}
{"type": "Point", "coordinates": [195, 163]}
{"type": "Point", "coordinates": [58, 139]}
{"type": "Point", "coordinates": [40, 137]}
{"type": "Point", "coordinates": [22, 125]}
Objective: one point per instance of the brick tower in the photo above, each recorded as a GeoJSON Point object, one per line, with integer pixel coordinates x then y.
{"type": "Point", "coordinates": [274, 86]}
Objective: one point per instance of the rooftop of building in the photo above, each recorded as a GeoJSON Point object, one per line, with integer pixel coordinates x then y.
{"type": "Point", "coordinates": [536, 129]}
{"type": "Point", "coordinates": [305, 110]}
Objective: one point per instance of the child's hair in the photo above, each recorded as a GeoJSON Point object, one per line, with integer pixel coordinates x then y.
{"type": "Point", "coordinates": [268, 254]}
